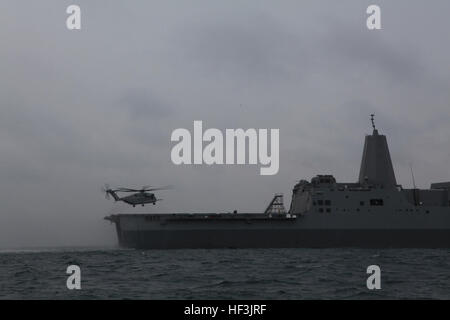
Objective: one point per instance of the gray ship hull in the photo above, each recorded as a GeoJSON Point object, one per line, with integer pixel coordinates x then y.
{"type": "Point", "coordinates": [216, 239]}
{"type": "Point", "coordinates": [260, 231]}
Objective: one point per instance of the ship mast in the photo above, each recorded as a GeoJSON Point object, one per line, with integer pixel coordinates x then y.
{"type": "Point", "coordinates": [372, 119]}
{"type": "Point", "coordinates": [376, 165]}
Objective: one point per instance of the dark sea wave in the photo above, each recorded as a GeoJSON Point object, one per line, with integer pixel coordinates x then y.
{"type": "Point", "coordinates": [225, 274]}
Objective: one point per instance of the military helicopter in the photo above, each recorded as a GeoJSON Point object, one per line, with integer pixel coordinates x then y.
{"type": "Point", "coordinates": [140, 197]}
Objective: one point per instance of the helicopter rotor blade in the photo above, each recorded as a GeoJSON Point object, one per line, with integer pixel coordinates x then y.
{"type": "Point", "coordinates": [143, 189]}
{"type": "Point", "coordinates": [160, 188]}
{"type": "Point", "coordinates": [127, 190]}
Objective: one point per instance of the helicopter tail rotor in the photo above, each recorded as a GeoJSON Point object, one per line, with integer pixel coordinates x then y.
{"type": "Point", "coordinates": [106, 190]}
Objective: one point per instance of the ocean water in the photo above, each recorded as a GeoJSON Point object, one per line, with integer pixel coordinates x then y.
{"type": "Point", "coordinates": [111, 273]}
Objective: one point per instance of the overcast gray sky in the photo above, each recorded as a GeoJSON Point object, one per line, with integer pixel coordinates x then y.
{"type": "Point", "coordinates": [82, 108]}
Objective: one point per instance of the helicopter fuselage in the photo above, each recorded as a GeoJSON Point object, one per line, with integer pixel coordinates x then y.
{"type": "Point", "coordinates": [139, 198]}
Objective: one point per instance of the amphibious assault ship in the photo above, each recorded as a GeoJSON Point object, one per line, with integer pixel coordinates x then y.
{"type": "Point", "coordinates": [373, 212]}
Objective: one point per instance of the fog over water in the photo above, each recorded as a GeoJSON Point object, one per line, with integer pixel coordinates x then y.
{"type": "Point", "coordinates": [82, 108]}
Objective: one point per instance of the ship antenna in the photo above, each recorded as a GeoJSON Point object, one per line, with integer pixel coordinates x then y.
{"type": "Point", "coordinates": [372, 119]}
{"type": "Point", "coordinates": [412, 175]}
{"type": "Point", "coordinates": [414, 184]}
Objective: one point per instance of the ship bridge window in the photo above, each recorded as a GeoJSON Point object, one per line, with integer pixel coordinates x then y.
{"type": "Point", "coordinates": [376, 202]}
{"type": "Point", "coordinates": [320, 202]}
{"type": "Point", "coordinates": [328, 202]}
